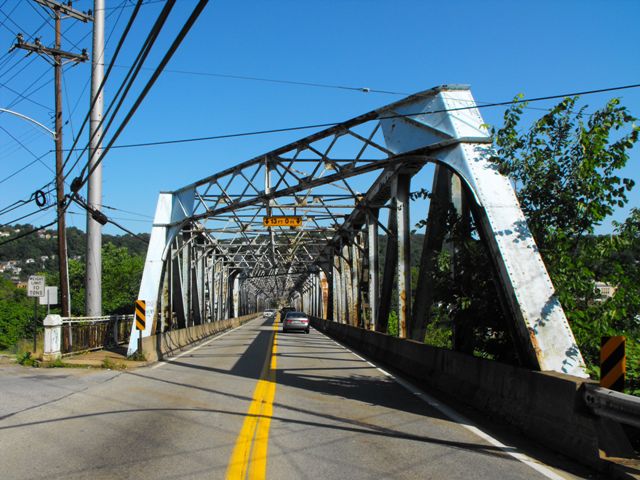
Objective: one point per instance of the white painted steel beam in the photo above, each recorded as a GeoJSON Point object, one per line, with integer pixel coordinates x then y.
{"type": "Point", "coordinates": [541, 322]}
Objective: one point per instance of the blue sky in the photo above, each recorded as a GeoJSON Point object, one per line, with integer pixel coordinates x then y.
{"type": "Point", "coordinates": [499, 48]}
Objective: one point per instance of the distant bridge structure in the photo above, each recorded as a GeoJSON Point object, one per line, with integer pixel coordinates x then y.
{"type": "Point", "coordinates": [213, 256]}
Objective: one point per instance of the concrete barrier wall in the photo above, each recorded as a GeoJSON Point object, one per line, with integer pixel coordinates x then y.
{"type": "Point", "coordinates": [548, 407]}
{"type": "Point", "coordinates": [157, 347]}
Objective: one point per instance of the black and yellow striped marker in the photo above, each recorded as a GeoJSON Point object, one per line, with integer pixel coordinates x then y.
{"type": "Point", "coordinates": [141, 319]}
{"type": "Point", "coordinates": [612, 363]}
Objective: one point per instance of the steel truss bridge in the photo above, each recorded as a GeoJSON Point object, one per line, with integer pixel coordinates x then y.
{"type": "Point", "coordinates": [211, 257]}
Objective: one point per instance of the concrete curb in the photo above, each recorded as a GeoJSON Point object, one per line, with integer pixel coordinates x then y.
{"type": "Point", "coordinates": [158, 347]}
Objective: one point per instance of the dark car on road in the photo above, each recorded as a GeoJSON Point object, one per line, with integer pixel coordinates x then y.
{"type": "Point", "coordinates": [295, 321]}
{"type": "Point", "coordinates": [284, 311]}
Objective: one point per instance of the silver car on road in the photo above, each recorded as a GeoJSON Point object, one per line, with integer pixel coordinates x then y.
{"type": "Point", "coordinates": [295, 321]}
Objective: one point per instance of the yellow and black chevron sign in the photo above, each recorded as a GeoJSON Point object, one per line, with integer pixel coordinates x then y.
{"type": "Point", "coordinates": [141, 307]}
{"type": "Point", "coordinates": [612, 363]}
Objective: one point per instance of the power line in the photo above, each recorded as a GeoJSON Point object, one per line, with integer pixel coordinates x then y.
{"type": "Point", "coordinates": [119, 46]}
{"type": "Point", "coordinates": [37, 159]}
{"type": "Point", "coordinates": [130, 77]}
{"type": "Point", "coordinates": [127, 211]}
{"type": "Point", "coordinates": [148, 2]}
{"type": "Point", "coordinates": [20, 203]}
{"type": "Point", "coordinates": [79, 182]}
{"type": "Point", "coordinates": [281, 81]}
{"type": "Point", "coordinates": [44, 209]}
{"type": "Point", "coordinates": [385, 117]}
{"type": "Point", "coordinates": [25, 97]}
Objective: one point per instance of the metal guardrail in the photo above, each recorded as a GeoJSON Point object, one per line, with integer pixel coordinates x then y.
{"type": "Point", "coordinates": [80, 334]}
{"type": "Point", "coordinates": [617, 406]}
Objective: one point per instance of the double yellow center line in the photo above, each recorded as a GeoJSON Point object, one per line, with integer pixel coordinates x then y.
{"type": "Point", "coordinates": [249, 457]}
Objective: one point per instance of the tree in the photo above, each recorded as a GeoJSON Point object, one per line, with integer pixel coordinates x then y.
{"type": "Point", "coordinates": [565, 173]}
{"type": "Point", "coordinates": [121, 275]}
{"type": "Point", "coordinates": [16, 314]}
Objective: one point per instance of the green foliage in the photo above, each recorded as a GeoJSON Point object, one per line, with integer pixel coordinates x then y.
{"type": "Point", "coordinates": [564, 168]}
{"type": "Point", "coordinates": [26, 360]}
{"type": "Point", "coordinates": [439, 334]}
{"type": "Point", "coordinates": [121, 275]}
{"type": "Point", "coordinates": [565, 172]}
{"type": "Point", "coordinates": [392, 326]}
{"type": "Point", "coordinates": [16, 314]}
{"type": "Point", "coordinates": [122, 272]}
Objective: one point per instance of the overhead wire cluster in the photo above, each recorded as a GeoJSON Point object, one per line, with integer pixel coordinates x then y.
{"type": "Point", "coordinates": [108, 121]}
{"type": "Point", "coordinates": [113, 126]}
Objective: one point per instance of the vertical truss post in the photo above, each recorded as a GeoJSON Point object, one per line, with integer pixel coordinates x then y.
{"type": "Point", "coordinates": [315, 295]}
{"type": "Point", "coordinates": [198, 281]}
{"type": "Point", "coordinates": [236, 296]}
{"type": "Point", "coordinates": [326, 282]}
{"type": "Point", "coordinates": [165, 302]}
{"type": "Point", "coordinates": [374, 277]}
{"type": "Point", "coordinates": [185, 275]}
{"type": "Point", "coordinates": [214, 286]}
{"type": "Point", "coordinates": [431, 247]}
{"type": "Point", "coordinates": [337, 291]}
{"type": "Point", "coordinates": [220, 288]}
{"type": "Point", "coordinates": [403, 183]}
{"type": "Point", "coordinates": [462, 325]}
{"type": "Point", "coordinates": [210, 285]}
{"type": "Point", "coordinates": [346, 284]}
{"type": "Point", "coordinates": [388, 277]}
{"type": "Point", "coordinates": [355, 284]}
{"type": "Point", "coordinates": [172, 274]}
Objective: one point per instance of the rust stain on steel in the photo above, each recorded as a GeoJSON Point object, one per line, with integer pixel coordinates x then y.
{"type": "Point", "coordinates": [536, 346]}
{"type": "Point", "coordinates": [403, 313]}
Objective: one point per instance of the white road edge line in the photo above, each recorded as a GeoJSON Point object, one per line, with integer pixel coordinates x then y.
{"type": "Point", "coordinates": [457, 417]}
{"type": "Point", "coordinates": [204, 344]}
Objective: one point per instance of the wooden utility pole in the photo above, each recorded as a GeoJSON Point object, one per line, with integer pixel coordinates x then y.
{"type": "Point", "coordinates": [59, 57]}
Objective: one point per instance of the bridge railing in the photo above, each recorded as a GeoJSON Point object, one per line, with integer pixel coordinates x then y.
{"type": "Point", "coordinates": [81, 334]}
{"type": "Point", "coordinates": [614, 405]}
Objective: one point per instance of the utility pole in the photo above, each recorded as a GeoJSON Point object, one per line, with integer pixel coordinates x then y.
{"type": "Point", "coordinates": [93, 276]}
{"type": "Point", "coordinates": [58, 56]}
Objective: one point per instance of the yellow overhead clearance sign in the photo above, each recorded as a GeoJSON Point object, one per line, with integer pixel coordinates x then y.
{"type": "Point", "coordinates": [282, 221]}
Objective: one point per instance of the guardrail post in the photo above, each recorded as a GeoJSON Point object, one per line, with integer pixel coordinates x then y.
{"type": "Point", "coordinates": [116, 330]}
{"type": "Point", "coordinates": [52, 337]}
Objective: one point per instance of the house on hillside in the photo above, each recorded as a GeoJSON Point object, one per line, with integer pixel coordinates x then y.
{"type": "Point", "coordinates": [605, 290]}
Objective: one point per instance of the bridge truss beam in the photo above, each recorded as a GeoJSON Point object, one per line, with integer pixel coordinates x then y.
{"type": "Point", "coordinates": [211, 256]}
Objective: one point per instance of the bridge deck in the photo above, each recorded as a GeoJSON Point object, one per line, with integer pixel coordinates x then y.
{"type": "Point", "coordinates": [234, 407]}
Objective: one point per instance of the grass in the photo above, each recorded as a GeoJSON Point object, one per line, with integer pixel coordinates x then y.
{"type": "Point", "coordinates": [109, 364]}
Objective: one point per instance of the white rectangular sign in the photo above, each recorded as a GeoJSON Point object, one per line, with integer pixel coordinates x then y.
{"type": "Point", "coordinates": [35, 286]}
{"type": "Point", "coordinates": [50, 296]}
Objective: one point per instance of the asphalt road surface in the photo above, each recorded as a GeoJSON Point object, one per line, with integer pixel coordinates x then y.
{"type": "Point", "coordinates": [251, 403]}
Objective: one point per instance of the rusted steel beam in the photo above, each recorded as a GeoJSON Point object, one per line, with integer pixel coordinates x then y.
{"type": "Point", "coordinates": [431, 247]}
{"type": "Point", "coordinates": [389, 273]}
{"type": "Point", "coordinates": [356, 266]}
{"type": "Point", "coordinates": [374, 278]}
{"type": "Point", "coordinates": [403, 183]}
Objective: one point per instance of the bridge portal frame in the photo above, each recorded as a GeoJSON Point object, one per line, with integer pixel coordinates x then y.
{"type": "Point", "coordinates": [441, 125]}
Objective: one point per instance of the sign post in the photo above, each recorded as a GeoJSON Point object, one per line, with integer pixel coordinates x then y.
{"type": "Point", "coordinates": [35, 289]}
{"type": "Point", "coordinates": [141, 321]}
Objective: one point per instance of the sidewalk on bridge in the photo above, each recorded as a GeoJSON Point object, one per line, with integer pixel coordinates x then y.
{"type": "Point", "coordinates": [115, 359]}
